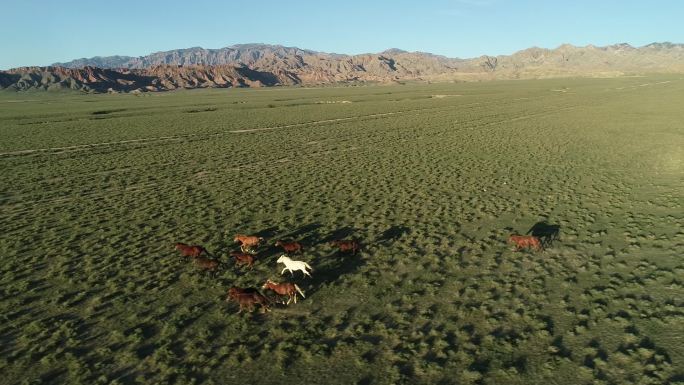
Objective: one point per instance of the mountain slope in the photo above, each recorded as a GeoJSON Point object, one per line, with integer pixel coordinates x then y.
{"type": "Point", "coordinates": [268, 65]}
{"type": "Point", "coordinates": [158, 78]}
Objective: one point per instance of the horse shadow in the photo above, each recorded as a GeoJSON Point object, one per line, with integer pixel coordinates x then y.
{"type": "Point", "coordinates": [341, 233]}
{"type": "Point", "coordinates": [332, 270]}
{"type": "Point", "coordinates": [546, 232]}
{"type": "Point", "coordinates": [307, 234]}
{"type": "Point", "coordinates": [267, 233]}
{"type": "Point", "coordinates": [392, 234]}
{"type": "Point", "coordinates": [334, 264]}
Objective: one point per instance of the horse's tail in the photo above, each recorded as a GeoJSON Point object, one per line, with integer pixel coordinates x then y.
{"type": "Point", "coordinates": [300, 291]}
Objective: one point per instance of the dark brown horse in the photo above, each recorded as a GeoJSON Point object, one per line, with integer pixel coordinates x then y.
{"type": "Point", "coordinates": [190, 251]}
{"type": "Point", "coordinates": [286, 288]}
{"type": "Point", "coordinates": [290, 247]}
{"type": "Point", "coordinates": [207, 264]}
{"type": "Point", "coordinates": [525, 242]}
{"type": "Point", "coordinates": [243, 258]}
{"type": "Point", "coordinates": [247, 297]}
{"type": "Point", "coordinates": [346, 245]}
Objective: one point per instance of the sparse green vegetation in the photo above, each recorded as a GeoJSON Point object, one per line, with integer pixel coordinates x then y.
{"type": "Point", "coordinates": [96, 189]}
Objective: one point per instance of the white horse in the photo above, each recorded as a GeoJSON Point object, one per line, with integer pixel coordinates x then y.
{"type": "Point", "coordinates": [294, 265]}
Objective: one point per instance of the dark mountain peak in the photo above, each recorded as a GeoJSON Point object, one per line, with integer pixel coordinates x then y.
{"type": "Point", "coordinates": [622, 46]}
{"type": "Point", "coordinates": [664, 45]}
{"type": "Point", "coordinates": [393, 51]}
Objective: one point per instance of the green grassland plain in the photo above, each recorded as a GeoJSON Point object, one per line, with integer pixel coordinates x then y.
{"type": "Point", "coordinates": [432, 178]}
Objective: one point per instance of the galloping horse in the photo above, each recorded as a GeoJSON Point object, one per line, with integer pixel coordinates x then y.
{"type": "Point", "coordinates": [346, 245]}
{"type": "Point", "coordinates": [286, 288]}
{"type": "Point", "coordinates": [247, 298]}
{"type": "Point", "coordinates": [526, 242]}
{"type": "Point", "coordinates": [190, 251]}
{"type": "Point", "coordinates": [207, 264]}
{"type": "Point", "coordinates": [243, 258]}
{"type": "Point", "coordinates": [294, 265]}
{"type": "Point", "coordinates": [247, 241]}
{"type": "Point", "coordinates": [290, 247]}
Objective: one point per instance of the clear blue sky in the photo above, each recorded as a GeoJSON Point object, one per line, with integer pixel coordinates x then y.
{"type": "Point", "coordinates": [34, 32]}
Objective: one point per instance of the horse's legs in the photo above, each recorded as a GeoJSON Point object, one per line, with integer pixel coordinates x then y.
{"type": "Point", "coordinates": [282, 272]}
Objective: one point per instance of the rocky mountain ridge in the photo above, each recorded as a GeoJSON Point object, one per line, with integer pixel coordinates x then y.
{"type": "Point", "coordinates": [255, 65]}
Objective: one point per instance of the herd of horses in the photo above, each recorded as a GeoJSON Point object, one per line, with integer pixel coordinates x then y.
{"type": "Point", "coordinates": [248, 297]}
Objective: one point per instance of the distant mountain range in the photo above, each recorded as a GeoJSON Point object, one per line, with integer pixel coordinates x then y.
{"type": "Point", "coordinates": [254, 65]}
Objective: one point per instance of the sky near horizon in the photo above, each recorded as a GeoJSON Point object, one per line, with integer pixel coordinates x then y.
{"type": "Point", "coordinates": [35, 32]}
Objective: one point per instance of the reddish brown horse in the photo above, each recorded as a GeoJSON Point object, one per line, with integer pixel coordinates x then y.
{"type": "Point", "coordinates": [247, 297]}
{"type": "Point", "coordinates": [525, 242]}
{"type": "Point", "coordinates": [346, 245]}
{"type": "Point", "coordinates": [286, 288]}
{"type": "Point", "coordinates": [190, 251]}
{"type": "Point", "coordinates": [247, 241]}
{"type": "Point", "coordinates": [291, 247]}
{"type": "Point", "coordinates": [243, 258]}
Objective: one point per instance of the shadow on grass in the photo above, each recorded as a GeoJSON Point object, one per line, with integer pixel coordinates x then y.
{"type": "Point", "coordinates": [345, 232]}
{"type": "Point", "coordinates": [332, 270]}
{"type": "Point", "coordinates": [392, 234]}
{"type": "Point", "coordinates": [545, 232]}
{"type": "Point", "coordinates": [335, 264]}
{"type": "Point", "coordinates": [307, 235]}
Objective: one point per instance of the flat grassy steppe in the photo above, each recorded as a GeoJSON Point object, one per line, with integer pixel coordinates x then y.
{"type": "Point", "coordinates": [432, 178]}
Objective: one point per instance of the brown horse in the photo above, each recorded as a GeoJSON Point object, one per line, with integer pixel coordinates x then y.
{"type": "Point", "coordinates": [247, 297]}
{"type": "Point", "coordinates": [346, 245]}
{"type": "Point", "coordinates": [286, 288]}
{"type": "Point", "coordinates": [247, 241]}
{"type": "Point", "coordinates": [207, 264]}
{"type": "Point", "coordinates": [526, 242]}
{"type": "Point", "coordinates": [243, 258]}
{"type": "Point", "coordinates": [242, 290]}
{"type": "Point", "coordinates": [190, 251]}
{"type": "Point", "coordinates": [290, 247]}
